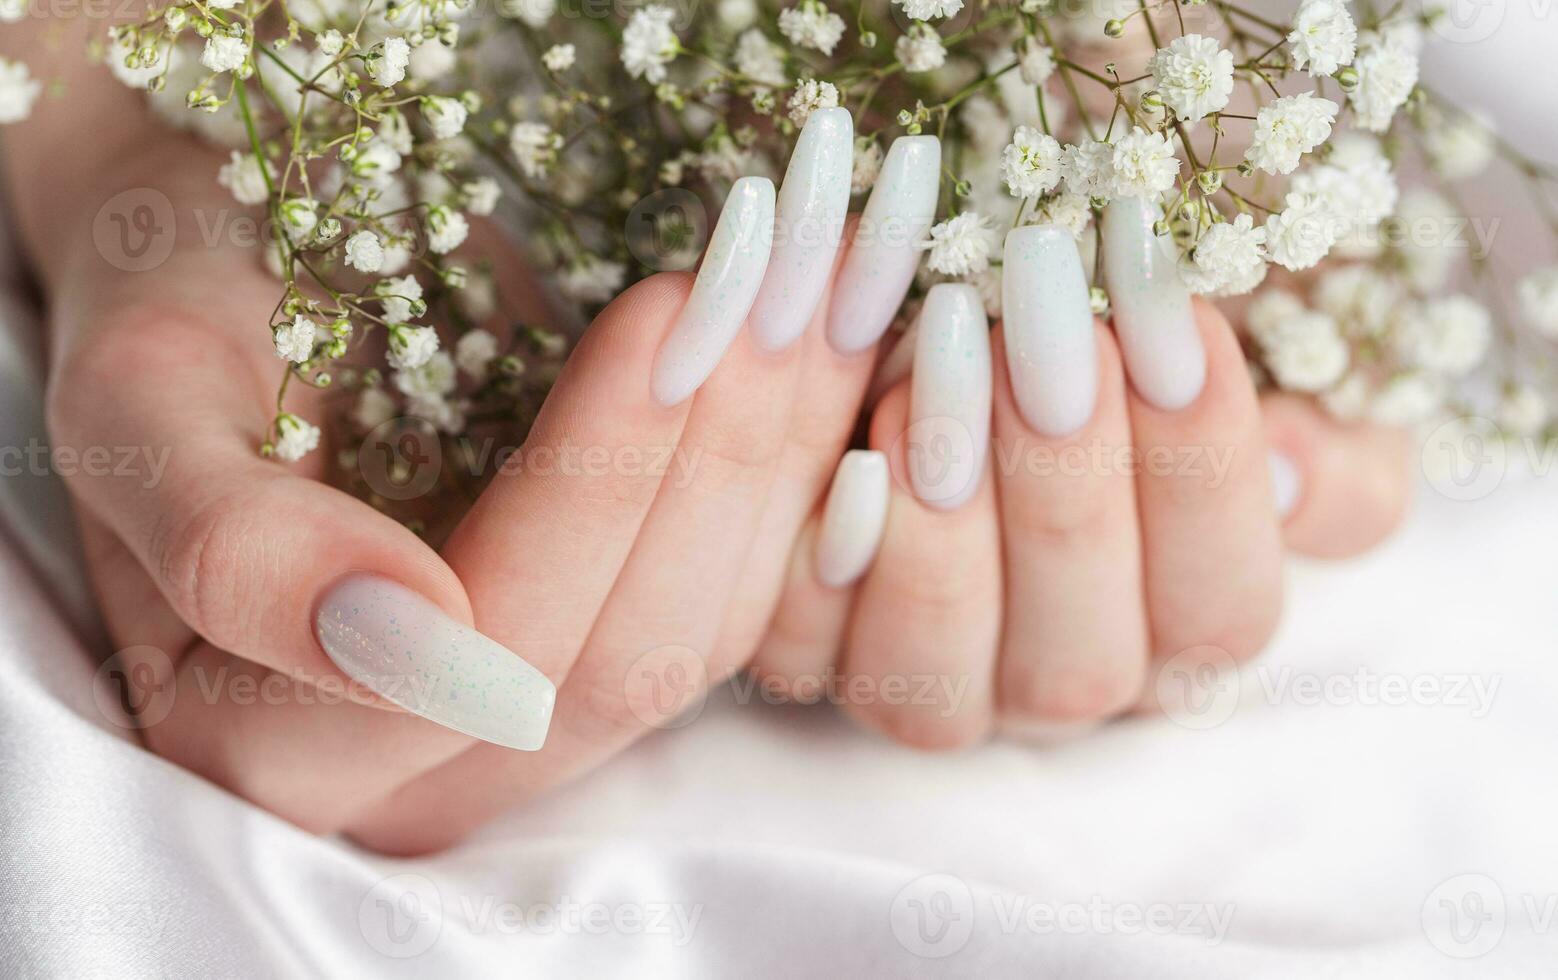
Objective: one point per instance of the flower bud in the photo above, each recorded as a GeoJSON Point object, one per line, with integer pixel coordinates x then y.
{"type": "Point", "coordinates": [1114, 28]}
{"type": "Point", "coordinates": [1347, 78]}
{"type": "Point", "coordinates": [1211, 181]}
{"type": "Point", "coordinates": [1098, 300]}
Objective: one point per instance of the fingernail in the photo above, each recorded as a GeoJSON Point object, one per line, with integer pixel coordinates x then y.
{"type": "Point", "coordinates": [1152, 314]}
{"type": "Point", "coordinates": [728, 279]}
{"type": "Point", "coordinates": [882, 259]}
{"type": "Point", "coordinates": [1287, 483]}
{"type": "Point", "coordinates": [412, 653]}
{"type": "Point", "coordinates": [1051, 353]}
{"type": "Point", "coordinates": [808, 225]}
{"type": "Point", "coordinates": [853, 518]}
{"type": "Point", "coordinates": [949, 397]}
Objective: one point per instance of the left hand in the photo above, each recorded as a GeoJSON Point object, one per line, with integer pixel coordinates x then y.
{"type": "Point", "coordinates": [1046, 584]}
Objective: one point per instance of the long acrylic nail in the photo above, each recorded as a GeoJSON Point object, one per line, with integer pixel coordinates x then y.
{"type": "Point", "coordinates": [411, 652]}
{"type": "Point", "coordinates": [808, 226]}
{"type": "Point", "coordinates": [853, 518]}
{"type": "Point", "coordinates": [727, 282]}
{"type": "Point", "coordinates": [1051, 352]}
{"type": "Point", "coordinates": [882, 259]}
{"type": "Point", "coordinates": [1152, 313]}
{"type": "Point", "coordinates": [1287, 483]}
{"type": "Point", "coordinates": [949, 400]}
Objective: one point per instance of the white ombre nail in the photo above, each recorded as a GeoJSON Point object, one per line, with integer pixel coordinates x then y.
{"type": "Point", "coordinates": [853, 518]}
{"type": "Point", "coordinates": [808, 226]}
{"type": "Point", "coordinates": [727, 281]}
{"type": "Point", "coordinates": [1287, 484]}
{"type": "Point", "coordinates": [949, 400]}
{"type": "Point", "coordinates": [882, 259]}
{"type": "Point", "coordinates": [1051, 352]}
{"type": "Point", "coordinates": [1152, 314]}
{"type": "Point", "coordinates": [412, 653]}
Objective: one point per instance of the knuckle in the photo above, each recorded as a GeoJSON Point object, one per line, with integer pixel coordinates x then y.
{"type": "Point", "coordinates": [923, 728]}
{"type": "Point", "coordinates": [1070, 693]}
{"type": "Point", "coordinates": [200, 555]}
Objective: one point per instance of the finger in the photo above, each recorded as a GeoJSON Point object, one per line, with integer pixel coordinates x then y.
{"type": "Point", "coordinates": [1074, 632]}
{"type": "Point", "coordinates": [1341, 487]}
{"type": "Point", "coordinates": [1210, 535]}
{"type": "Point", "coordinates": [803, 637]}
{"type": "Point", "coordinates": [921, 646]}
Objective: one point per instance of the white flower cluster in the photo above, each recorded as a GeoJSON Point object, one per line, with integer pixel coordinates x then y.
{"type": "Point", "coordinates": [375, 136]}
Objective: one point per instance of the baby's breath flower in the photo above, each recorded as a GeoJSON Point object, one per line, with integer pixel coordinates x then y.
{"type": "Point", "coordinates": [1287, 128]}
{"type": "Point", "coordinates": [1193, 75]}
{"type": "Point", "coordinates": [1448, 336]}
{"type": "Point", "coordinates": [365, 252]}
{"type": "Point", "coordinates": [1035, 61]}
{"type": "Point", "coordinates": [532, 13]}
{"type": "Point", "coordinates": [411, 347]}
{"type": "Point", "coordinates": [330, 43]}
{"type": "Point", "coordinates": [649, 44]}
{"type": "Point", "coordinates": [535, 146]}
{"type": "Point", "coordinates": [920, 50]}
{"type": "Point", "coordinates": [928, 9]}
{"type": "Point", "coordinates": [224, 52]}
{"type": "Point", "coordinates": [475, 352]}
{"type": "Point", "coordinates": [1301, 235]}
{"type": "Point", "coordinates": [960, 246]}
{"type": "Point", "coordinates": [810, 96]}
{"type": "Point", "coordinates": [1306, 352]}
{"type": "Point", "coordinates": [433, 377]}
{"type": "Point", "coordinates": [811, 24]}
{"type": "Point", "coordinates": [446, 116]}
{"type": "Point", "coordinates": [481, 195]}
{"type": "Point", "coordinates": [300, 215]}
{"type": "Point", "coordinates": [1324, 37]}
{"type": "Point", "coordinates": [1522, 410]}
{"type": "Point", "coordinates": [760, 59]}
{"type": "Point", "coordinates": [446, 229]}
{"type": "Point", "coordinates": [592, 280]}
{"type": "Point", "coordinates": [296, 438]}
{"type": "Point", "coordinates": [1031, 163]}
{"type": "Point", "coordinates": [558, 58]}
{"type": "Point", "coordinates": [396, 297]}
{"type": "Point", "coordinates": [1459, 145]}
{"type": "Point", "coordinates": [387, 64]}
{"type": "Point", "coordinates": [1088, 169]}
{"type": "Point", "coordinates": [241, 175]}
{"type": "Point", "coordinates": [1538, 294]}
{"type": "Point", "coordinates": [431, 59]}
{"type": "Point", "coordinates": [295, 341]}
{"type": "Point", "coordinates": [374, 407]}
{"type": "Point", "coordinates": [1407, 399]}
{"type": "Point", "coordinates": [1387, 73]}
{"type": "Point", "coordinates": [1143, 165]}
{"type": "Point", "coordinates": [1229, 260]}
{"type": "Point", "coordinates": [376, 162]}
{"type": "Point", "coordinates": [1066, 210]}
{"type": "Point", "coordinates": [18, 91]}
{"type": "Point", "coordinates": [867, 165]}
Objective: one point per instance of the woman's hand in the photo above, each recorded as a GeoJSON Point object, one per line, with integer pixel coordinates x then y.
{"type": "Point", "coordinates": [1123, 517]}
